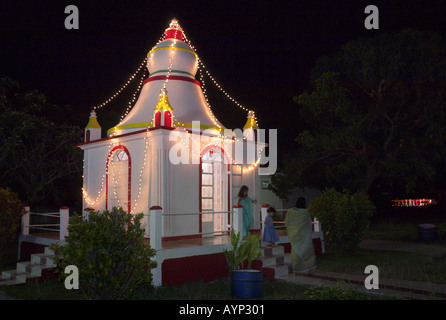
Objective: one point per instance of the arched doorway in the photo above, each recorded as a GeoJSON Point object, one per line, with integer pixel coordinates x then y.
{"type": "Point", "coordinates": [214, 191]}
{"type": "Point", "coordinates": [118, 182]}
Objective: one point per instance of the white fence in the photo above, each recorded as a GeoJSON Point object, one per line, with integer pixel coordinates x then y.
{"type": "Point", "coordinates": [61, 217]}
{"type": "Point", "coordinates": [155, 222]}
{"type": "Point", "coordinates": [281, 224]}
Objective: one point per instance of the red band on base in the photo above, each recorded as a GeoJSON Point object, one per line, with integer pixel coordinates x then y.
{"type": "Point", "coordinates": [181, 78]}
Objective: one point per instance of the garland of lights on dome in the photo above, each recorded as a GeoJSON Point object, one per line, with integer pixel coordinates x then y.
{"type": "Point", "coordinates": [174, 25]}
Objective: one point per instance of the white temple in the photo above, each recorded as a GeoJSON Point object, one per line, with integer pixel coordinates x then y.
{"type": "Point", "coordinates": [136, 166]}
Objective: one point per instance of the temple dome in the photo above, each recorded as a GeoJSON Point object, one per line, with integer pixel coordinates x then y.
{"type": "Point", "coordinates": [181, 60]}
{"type": "Point", "coordinates": [185, 94]}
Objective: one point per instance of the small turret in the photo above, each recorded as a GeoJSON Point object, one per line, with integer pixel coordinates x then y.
{"type": "Point", "coordinates": [93, 129]}
{"type": "Point", "coordinates": [163, 112]}
{"type": "Point", "coordinates": [251, 122]}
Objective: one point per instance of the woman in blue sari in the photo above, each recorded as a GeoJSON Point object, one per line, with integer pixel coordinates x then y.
{"type": "Point", "coordinates": [248, 208]}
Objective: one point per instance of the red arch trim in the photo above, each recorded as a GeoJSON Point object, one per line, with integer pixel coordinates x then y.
{"type": "Point", "coordinates": [120, 147]}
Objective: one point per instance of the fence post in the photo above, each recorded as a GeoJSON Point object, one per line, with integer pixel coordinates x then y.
{"type": "Point", "coordinates": [87, 213]}
{"type": "Point", "coordinates": [316, 225]}
{"type": "Point", "coordinates": [155, 227]}
{"type": "Point", "coordinates": [25, 220]}
{"type": "Point", "coordinates": [264, 214]}
{"type": "Point", "coordinates": [64, 217]}
{"type": "Point", "coordinates": [145, 224]}
{"type": "Point", "coordinates": [237, 218]}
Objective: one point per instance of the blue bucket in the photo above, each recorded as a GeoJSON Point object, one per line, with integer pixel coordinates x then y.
{"type": "Point", "coordinates": [247, 283]}
{"type": "Point", "coordinates": [427, 232]}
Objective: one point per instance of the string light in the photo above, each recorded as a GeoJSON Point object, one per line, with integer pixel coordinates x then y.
{"type": "Point", "coordinates": [135, 95]}
{"type": "Point", "coordinates": [123, 87]}
{"type": "Point", "coordinates": [84, 192]}
{"type": "Point", "coordinates": [202, 65]}
{"type": "Point", "coordinates": [222, 143]}
{"type": "Point", "coordinates": [213, 139]}
{"type": "Point", "coordinates": [99, 194]}
{"type": "Point", "coordinates": [211, 114]}
{"type": "Point", "coordinates": [141, 171]}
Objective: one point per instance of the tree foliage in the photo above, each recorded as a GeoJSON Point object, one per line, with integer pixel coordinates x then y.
{"type": "Point", "coordinates": [344, 218]}
{"type": "Point", "coordinates": [109, 251]}
{"type": "Point", "coordinates": [38, 149]}
{"type": "Point", "coordinates": [376, 115]}
{"type": "Point", "coordinates": [11, 211]}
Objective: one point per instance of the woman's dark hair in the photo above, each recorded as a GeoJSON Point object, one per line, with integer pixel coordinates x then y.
{"type": "Point", "coordinates": [271, 209]}
{"type": "Point", "coordinates": [241, 193]}
{"type": "Point", "coordinates": [301, 203]}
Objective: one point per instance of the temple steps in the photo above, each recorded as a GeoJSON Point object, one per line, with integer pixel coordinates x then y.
{"type": "Point", "coordinates": [275, 262]}
{"type": "Point", "coordinates": [29, 270]}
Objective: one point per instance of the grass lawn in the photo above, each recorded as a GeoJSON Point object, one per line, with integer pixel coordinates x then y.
{"type": "Point", "coordinates": [400, 229]}
{"type": "Point", "coordinates": [391, 265]}
{"type": "Point", "coordinates": [218, 290]}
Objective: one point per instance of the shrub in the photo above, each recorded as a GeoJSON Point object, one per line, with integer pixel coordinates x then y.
{"type": "Point", "coordinates": [110, 254]}
{"type": "Point", "coordinates": [333, 293]}
{"type": "Point", "coordinates": [11, 211]}
{"type": "Point", "coordinates": [344, 218]}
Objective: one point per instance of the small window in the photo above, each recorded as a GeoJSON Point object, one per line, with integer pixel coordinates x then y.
{"type": "Point", "coordinates": [168, 119]}
{"type": "Point", "coordinates": [120, 155]}
{"type": "Point", "coordinates": [157, 119]}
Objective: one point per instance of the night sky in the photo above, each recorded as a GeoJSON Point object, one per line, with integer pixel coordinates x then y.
{"type": "Point", "coordinates": [261, 52]}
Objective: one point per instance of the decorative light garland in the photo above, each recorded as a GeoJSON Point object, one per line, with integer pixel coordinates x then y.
{"type": "Point", "coordinates": [223, 139]}
{"type": "Point", "coordinates": [211, 114]}
{"type": "Point", "coordinates": [200, 63]}
{"type": "Point", "coordinates": [123, 87]}
{"type": "Point", "coordinates": [99, 194]}
{"type": "Point", "coordinates": [214, 120]}
{"type": "Point", "coordinates": [132, 101]}
{"type": "Point", "coordinates": [142, 170]}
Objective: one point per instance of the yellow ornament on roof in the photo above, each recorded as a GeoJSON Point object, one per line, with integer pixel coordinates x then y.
{"type": "Point", "coordinates": [163, 102]}
{"type": "Point", "coordinates": [251, 123]}
{"type": "Point", "coordinates": [93, 122]}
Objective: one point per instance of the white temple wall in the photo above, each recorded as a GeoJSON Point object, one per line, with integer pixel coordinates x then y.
{"type": "Point", "coordinates": [95, 158]}
{"type": "Point", "coordinates": [181, 195]}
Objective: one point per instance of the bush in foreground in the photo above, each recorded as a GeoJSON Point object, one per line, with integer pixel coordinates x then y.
{"type": "Point", "coordinates": [344, 218]}
{"type": "Point", "coordinates": [110, 254]}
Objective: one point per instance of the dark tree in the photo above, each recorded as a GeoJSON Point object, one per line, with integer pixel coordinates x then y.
{"type": "Point", "coordinates": [37, 150]}
{"type": "Point", "coordinates": [376, 115]}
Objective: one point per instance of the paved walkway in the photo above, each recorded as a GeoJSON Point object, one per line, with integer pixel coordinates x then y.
{"type": "Point", "coordinates": [412, 247]}
{"type": "Point", "coordinates": [402, 289]}
{"type": "Point", "coordinates": [391, 287]}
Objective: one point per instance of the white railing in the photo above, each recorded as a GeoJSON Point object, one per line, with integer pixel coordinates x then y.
{"type": "Point", "coordinates": [155, 223]}
{"type": "Point", "coordinates": [281, 224]}
{"type": "Point", "coordinates": [62, 217]}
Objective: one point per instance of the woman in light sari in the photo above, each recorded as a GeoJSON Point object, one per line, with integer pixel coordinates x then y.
{"type": "Point", "coordinates": [248, 208]}
{"type": "Point", "coordinates": [299, 229]}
